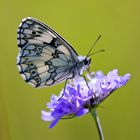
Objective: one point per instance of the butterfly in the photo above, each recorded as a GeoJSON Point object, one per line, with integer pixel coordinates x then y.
{"type": "Point", "coordinates": [45, 58]}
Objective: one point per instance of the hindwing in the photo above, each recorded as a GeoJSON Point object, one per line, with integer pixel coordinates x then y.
{"type": "Point", "coordinates": [45, 58]}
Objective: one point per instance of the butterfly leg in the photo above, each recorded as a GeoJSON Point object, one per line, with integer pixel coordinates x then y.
{"type": "Point", "coordinates": [92, 75]}
{"type": "Point", "coordinates": [65, 87]}
{"type": "Point", "coordinates": [88, 86]}
{"type": "Point", "coordinates": [85, 81]}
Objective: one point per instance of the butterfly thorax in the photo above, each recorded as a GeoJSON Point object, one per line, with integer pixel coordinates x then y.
{"type": "Point", "coordinates": [81, 65]}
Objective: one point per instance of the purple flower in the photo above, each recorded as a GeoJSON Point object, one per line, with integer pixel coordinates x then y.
{"type": "Point", "coordinates": [79, 98]}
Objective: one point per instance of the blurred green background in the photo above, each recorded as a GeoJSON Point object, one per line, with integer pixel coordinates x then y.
{"type": "Point", "coordinates": [79, 22]}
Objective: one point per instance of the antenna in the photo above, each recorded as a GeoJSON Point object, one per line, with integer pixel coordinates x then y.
{"type": "Point", "coordinates": [93, 45]}
{"type": "Point", "coordinates": [96, 52]}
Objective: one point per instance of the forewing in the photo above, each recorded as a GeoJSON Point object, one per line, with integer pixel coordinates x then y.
{"type": "Point", "coordinates": [45, 58]}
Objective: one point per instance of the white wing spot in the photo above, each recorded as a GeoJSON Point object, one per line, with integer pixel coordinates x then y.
{"type": "Point", "coordinates": [44, 38]}
{"type": "Point", "coordinates": [22, 41]}
{"type": "Point", "coordinates": [39, 63]}
{"type": "Point", "coordinates": [21, 35]}
{"type": "Point", "coordinates": [18, 41]}
{"type": "Point", "coordinates": [63, 49]}
{"type": "Point", "coordinates": [29, 22]}
{"type": "Point", "coordinates": [18, 58]}
{"type": "Point", "coordinates": [25, 25]}
{"type": "Point", "coordinates": [32, 41]}
{"type": "Point", "coordinates": [19, 68]}
{"type": "Point", "coordinates": [49, 50]}
{"type": "Point", "coordinates": [31, 47]}
{"type": "Point", "coordinates": [26, 31]}
{"type": "Point", "coordinates": [44, 76]}
{"type": "Point", "coordinates": [28, 75]}
{"type": "Point", "coordinates": [42, 69]}
{"type": "Point", "coordinates": [23, 76]}
{"type": "Point", "coordinates": [24, 67]}
{"type": "Point", "coordinates": [49, 82]}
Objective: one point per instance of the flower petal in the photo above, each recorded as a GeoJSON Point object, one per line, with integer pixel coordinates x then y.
{"type": "Point", "coordinates": [82, 112]}
{"type": "Point", "coordinates": [46, 116]}
{"type": "Point", "coordinates": [54, 122]}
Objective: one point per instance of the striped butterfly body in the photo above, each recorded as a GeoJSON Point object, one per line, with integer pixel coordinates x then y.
{"type": "Point", "coordinates": [45, 58]}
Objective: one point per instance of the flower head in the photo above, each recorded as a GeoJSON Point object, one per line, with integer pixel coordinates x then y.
{"type": "Point", "coordinates": [79, 98]}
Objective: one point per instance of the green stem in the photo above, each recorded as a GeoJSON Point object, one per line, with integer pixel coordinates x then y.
{"type": "Point", "coordinates": [97, 121]}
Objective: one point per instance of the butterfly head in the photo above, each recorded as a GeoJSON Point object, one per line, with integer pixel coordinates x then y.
{"type": "Point", "coordinates": [87, 61]}
{"type": "Point", "coordinates": [84, 63]}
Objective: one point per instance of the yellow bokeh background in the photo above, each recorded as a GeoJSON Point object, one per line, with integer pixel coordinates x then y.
{"type": "Point", "coordinates": [79, 22]}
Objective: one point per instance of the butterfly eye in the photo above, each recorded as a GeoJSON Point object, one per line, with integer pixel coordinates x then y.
{"type": "Point", "coordinates": [87, 61]}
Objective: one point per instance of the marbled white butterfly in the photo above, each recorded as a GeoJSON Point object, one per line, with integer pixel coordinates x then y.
{"type": "Point", "coordinates": [45, 58]}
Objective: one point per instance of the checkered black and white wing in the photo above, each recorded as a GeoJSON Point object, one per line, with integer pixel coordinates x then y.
{"type": "Point", "coordinates": [45, 58]}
